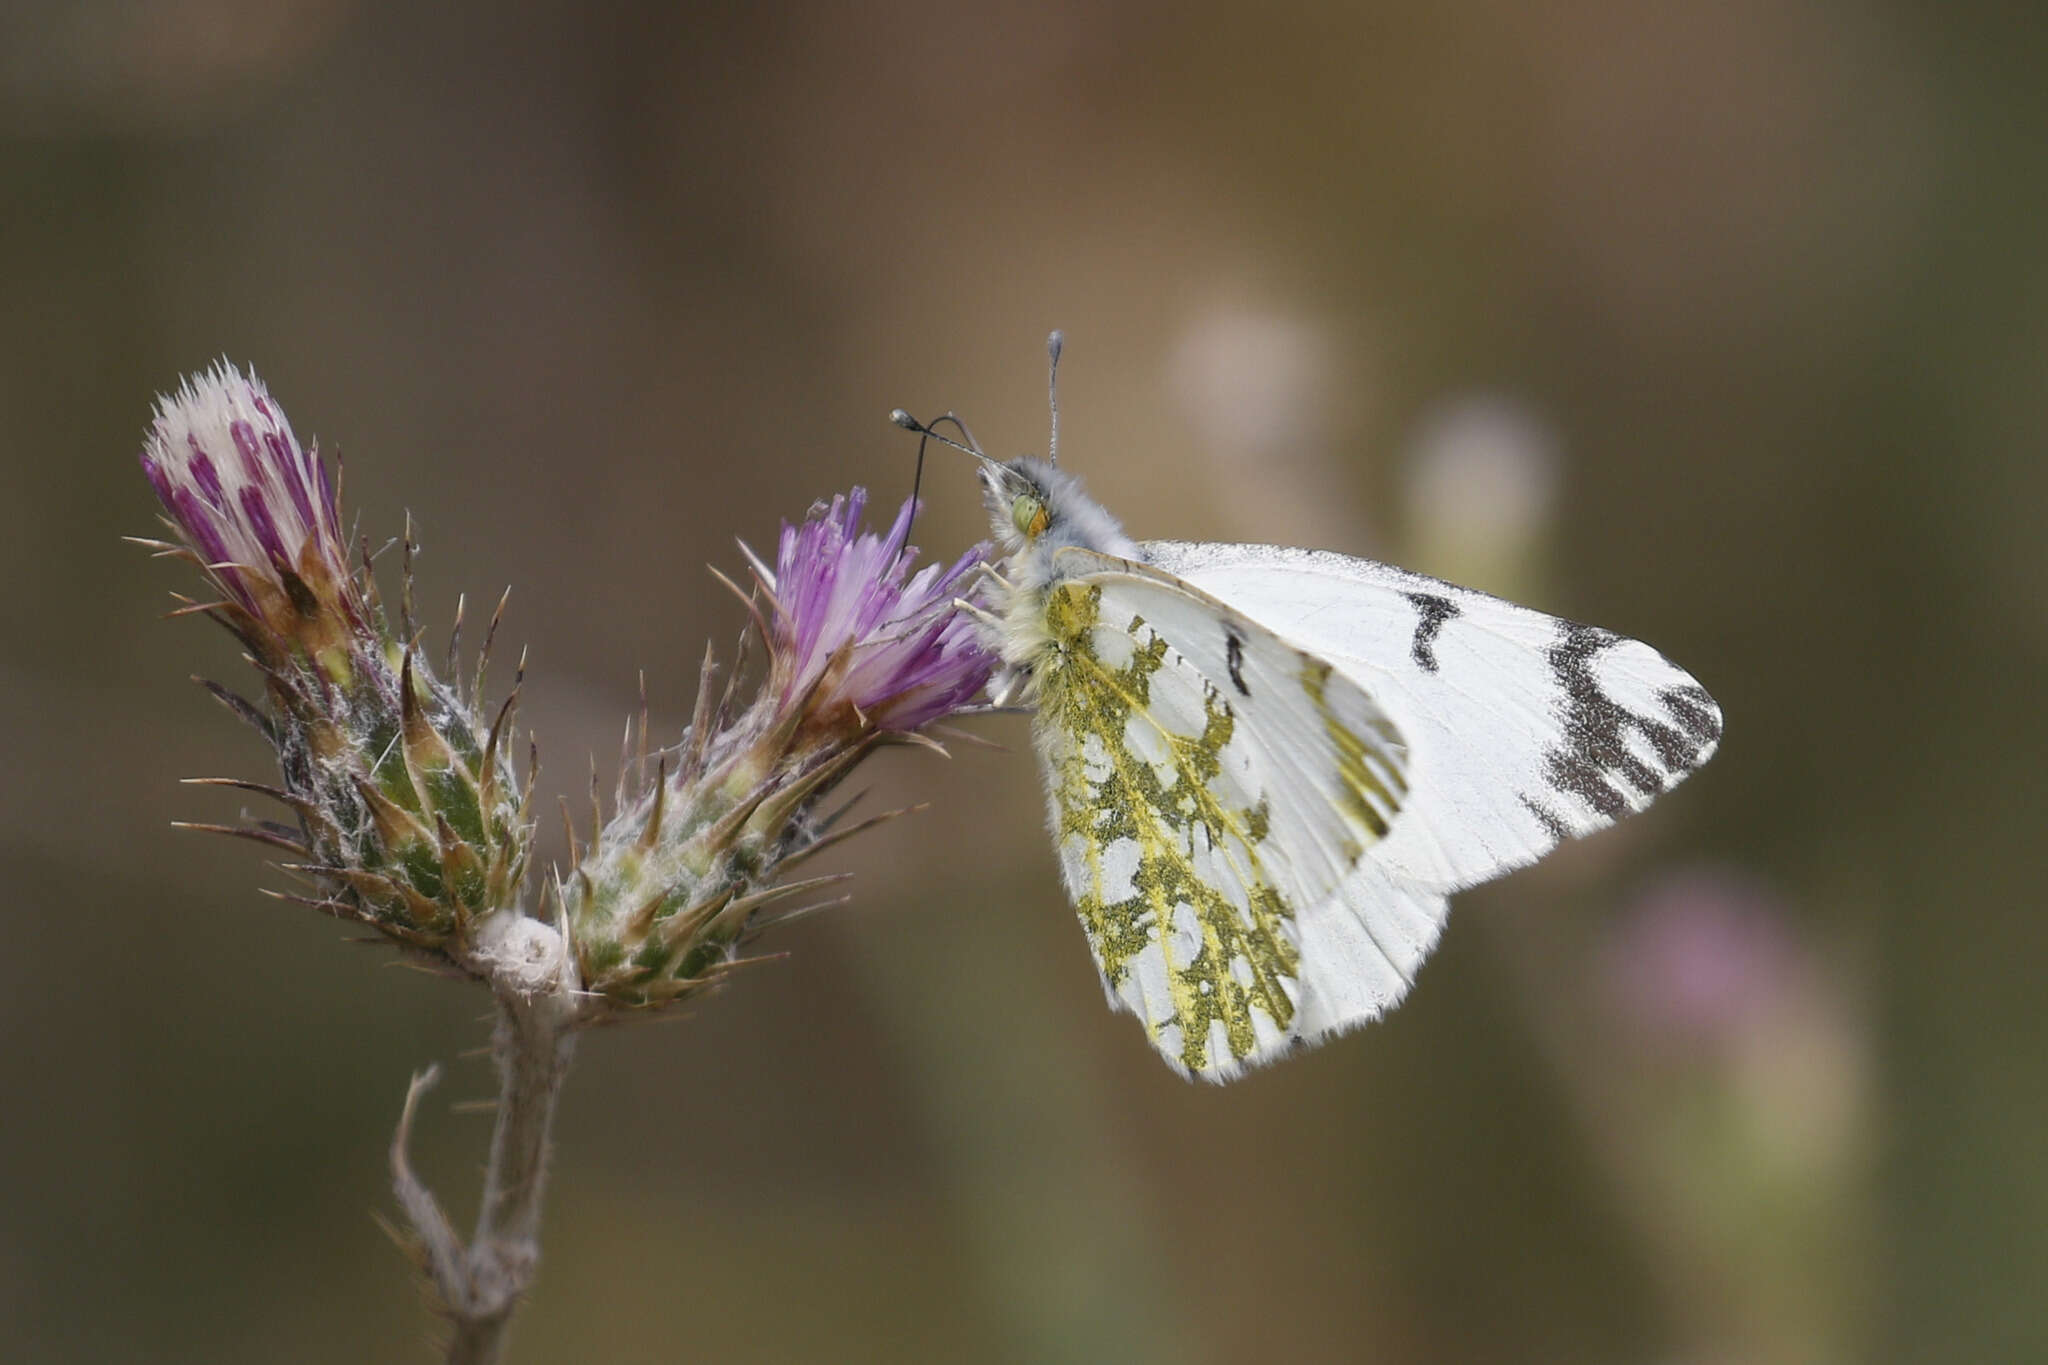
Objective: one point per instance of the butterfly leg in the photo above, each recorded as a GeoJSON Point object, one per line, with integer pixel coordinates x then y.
{"type": "Point", "coordinates": [979, 613]}
{"type": "Point", "coordinates": [989, 573]}
{"type": "Point", "coordinates": [1004, 686]}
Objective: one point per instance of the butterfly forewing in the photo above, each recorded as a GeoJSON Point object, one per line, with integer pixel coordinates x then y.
{"type": "Point", "coordinates": [1523, 729]}
{"type": "Point", "coordinates": [1211, 786]}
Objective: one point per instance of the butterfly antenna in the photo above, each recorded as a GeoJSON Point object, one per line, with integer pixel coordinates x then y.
{"type": "Point", "coordinates": [1054, 344]}
{"type": "Point", "coordinates": [966, 435]}
{"type": "Point", "coordinates": [916, 483]}
{"type": "Point", "coordinates": [924, 434]}
{"type": "Point", "coordinates": [931, 432]}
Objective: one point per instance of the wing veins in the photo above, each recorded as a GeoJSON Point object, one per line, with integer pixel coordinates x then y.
{"type": "Point", "coordinates": [1212, 806]}
{"type": "Point", "coordinates": [1156, 832]}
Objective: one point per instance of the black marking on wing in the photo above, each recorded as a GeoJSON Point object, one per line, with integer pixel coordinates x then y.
{"type": "Point", "coordinates": [1431, 613]}
{"type": "Point", "coordinates": [1695, 712]}
{"type": "Point", "coordinates": [1233, 649]}
{"type": "Point", "coordinates": [1546, 817]}
{"type": "Point", "coordinates": [1595, 754]}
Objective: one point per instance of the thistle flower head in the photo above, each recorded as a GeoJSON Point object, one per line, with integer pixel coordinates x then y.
{"type": "Point", "coordinates": [409, 817]}
{"type": "Point", "coordinates": [862, 652]}
{"type": "Point", "coordinates": [855, 630]}
{"type": "Point", "coordinates": [257, 509]}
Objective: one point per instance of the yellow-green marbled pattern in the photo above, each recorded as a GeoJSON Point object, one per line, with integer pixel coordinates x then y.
{"type": "Point", "coordinates": [1365, 794]}
{"type": "Point", "coordinates": [1129, 791]}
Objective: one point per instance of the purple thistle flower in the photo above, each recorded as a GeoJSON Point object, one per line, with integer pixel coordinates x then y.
{"type": "Point", "coordinates": [257, 508]}
{"type": "Point", "coordinates": [410, 817]}
{"type": "Point", "coordinates": [863, 653]}
{"type": "Point", "coordinates": [853, 628]}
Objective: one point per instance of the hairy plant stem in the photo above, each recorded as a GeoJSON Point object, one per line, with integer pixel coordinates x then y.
{"type": "Point", "coordinates": [481, 1286]}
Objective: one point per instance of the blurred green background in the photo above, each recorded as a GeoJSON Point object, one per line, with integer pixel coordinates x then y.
{"type": "Point", "coordinates": [1720, 325]}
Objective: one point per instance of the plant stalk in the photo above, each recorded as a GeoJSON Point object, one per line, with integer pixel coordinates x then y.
{"type": "Point", "coordinates": [481, 1286]}
{"type": "Point", "coordinates": [532, 1045]}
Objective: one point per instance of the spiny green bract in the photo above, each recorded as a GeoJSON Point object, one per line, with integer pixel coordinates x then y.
{"type": "Point", "coordinates": [413, 818]}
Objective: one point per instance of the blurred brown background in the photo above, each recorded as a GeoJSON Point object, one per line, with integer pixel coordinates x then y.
{"type": "Point", "coordinates": [1721, 325]}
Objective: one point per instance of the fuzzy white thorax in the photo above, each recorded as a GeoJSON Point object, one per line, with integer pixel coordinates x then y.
{"type": "Point", "coordinates": [1030, 563]}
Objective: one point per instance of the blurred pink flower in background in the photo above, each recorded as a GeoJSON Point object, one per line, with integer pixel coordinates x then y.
{"type": "Point", "coordinates": [1733, 1062]}
{"type": "Point", "coordinates": [1702, 956]}
{"type": "Point", "coordinates": [1716, 985]}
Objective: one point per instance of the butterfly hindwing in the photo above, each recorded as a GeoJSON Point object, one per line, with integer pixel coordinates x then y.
{"type": "Point", "coordinates": [1211, 786]}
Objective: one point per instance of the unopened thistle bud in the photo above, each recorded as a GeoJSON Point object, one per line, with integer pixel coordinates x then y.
{"type": "Point", "coordinates": [409, 814]}
{"type": "Point", "coordinates": [861, 653]}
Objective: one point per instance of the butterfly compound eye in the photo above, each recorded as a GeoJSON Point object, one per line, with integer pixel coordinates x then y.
{"type": "Point", "coordinates": [1029, 516]}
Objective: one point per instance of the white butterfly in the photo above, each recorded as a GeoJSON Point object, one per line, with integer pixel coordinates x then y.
{"type": "Point", "coordinates": [1268, 768]}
